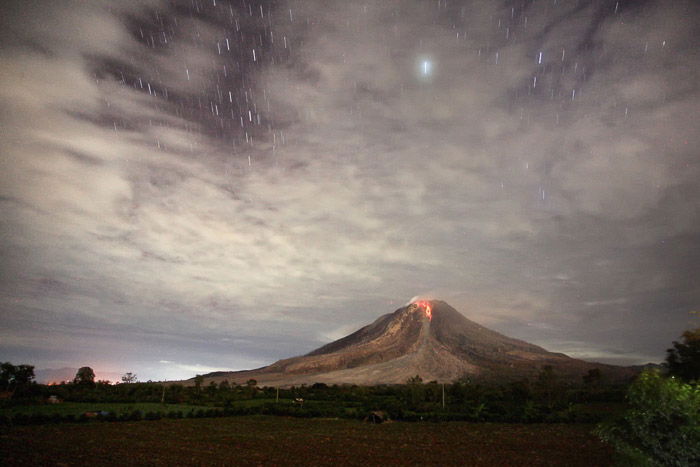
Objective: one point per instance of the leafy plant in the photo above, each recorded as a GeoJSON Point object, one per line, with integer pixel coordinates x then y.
{"type": "Point", "coordinates": [662, 424]}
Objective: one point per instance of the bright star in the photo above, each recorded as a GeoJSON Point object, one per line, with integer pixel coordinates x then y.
{"type": "Point", "coordinates": [425, 68]}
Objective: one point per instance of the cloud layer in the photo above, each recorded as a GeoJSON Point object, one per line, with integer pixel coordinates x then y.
{"type": "Point", "coordinates": [216, 185]}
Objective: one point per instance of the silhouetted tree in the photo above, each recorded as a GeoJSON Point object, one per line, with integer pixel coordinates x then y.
{"type": "Point", "coordinates": [85, 375]}
{"type": "Point", "coordinates": [129, 378]}
{"type": "Point", "coordinates": [683, 360]}
{"type": "Point", "coordinates": [13, 377]}
{"type": "Point", "coordinates": [414, 380]}
{"type": "Point", "coordinates": [198, 380]}
{"type": "Point", "coordinates": [7, 371]}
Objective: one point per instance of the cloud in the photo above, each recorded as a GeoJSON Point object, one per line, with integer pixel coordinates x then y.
{"type": "Point", "coordinates": [160, 179]}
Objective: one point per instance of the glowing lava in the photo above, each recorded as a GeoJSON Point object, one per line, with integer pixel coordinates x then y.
{"type": "Point", "coordinates": [427, 308]}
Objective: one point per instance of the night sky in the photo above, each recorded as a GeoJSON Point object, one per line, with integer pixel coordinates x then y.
{"type": "Point", "coordinates": [201, 184]}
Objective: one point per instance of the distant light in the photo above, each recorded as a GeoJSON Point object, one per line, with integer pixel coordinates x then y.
{"type": "Point", "coordinates": [425, 68]}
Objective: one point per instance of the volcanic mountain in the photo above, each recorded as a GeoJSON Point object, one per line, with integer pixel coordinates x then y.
{"type": "Point", "coordinates": [426, 338]}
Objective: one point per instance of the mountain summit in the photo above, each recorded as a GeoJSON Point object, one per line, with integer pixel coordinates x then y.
{"type": "Point", "coordinates": [428, 338]}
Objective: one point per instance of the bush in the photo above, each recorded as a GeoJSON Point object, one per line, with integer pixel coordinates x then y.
{"type": "Point", "coordinates": [662, 424]}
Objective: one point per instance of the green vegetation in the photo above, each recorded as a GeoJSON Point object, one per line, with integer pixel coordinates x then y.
{"type": "Point", "coordinates": [15, 380]}
{"type": "Point", "coordinates": [547, 399]}
{"type": "Point", "coordinates": [662, 424]}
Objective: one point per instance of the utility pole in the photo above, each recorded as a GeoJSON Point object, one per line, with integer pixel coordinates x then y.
{"type": "Point", "coordinates": [277, 398]}
{"type": "Point", "coordinates": [443, 396]}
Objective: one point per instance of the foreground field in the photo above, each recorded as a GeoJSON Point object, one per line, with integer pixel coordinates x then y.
{"type": "Point", "coordinates": [292, 441]}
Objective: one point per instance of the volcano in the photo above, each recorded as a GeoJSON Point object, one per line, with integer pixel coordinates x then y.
{"type": "Point", "coordinates": [428, 338]}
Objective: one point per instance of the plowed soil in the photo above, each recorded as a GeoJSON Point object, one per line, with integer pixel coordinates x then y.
{"type": "Point", "coordinates": [293, 441]}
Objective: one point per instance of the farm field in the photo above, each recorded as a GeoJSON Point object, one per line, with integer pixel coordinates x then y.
{"type": "Point", "coordinates": [257, 440]}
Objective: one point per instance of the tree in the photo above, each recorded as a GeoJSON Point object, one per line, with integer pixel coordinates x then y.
{"type": "Point", "coordinates": [662, 424]}
{"type": "Point", "coordinates": [129, 378]}
{"type": "Point", "coordinates": [683, 360]}
{"type": "Point", "coordinates": [7, 371]}
{"type": "Point", "coordinates": [13, 377]}
{"type": "Point", "coordinates": [198, 380]}
{"type": "Point", "coordinates": [85, 375]}
{"type": "Point", "coordinates": [251, 385]}
{"type": "Point", "coordinates": [416, 391]}
{"type": "Point", "coordinates": [24, 374]}
{"type": "Point", "coordinates": [414, 380]}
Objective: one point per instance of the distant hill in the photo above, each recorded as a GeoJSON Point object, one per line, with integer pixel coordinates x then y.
{"type": "Point", "coordinates": [427, 338]}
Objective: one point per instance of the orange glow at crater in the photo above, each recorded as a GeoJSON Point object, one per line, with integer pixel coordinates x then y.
{"type": "Point", "coordinates": [426, 308]}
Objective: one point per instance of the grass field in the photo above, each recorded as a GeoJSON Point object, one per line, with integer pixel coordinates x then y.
{"type": "Point", "coordinates": [262, 440]}
{"type": "Point", "coordinates": [78, 408]}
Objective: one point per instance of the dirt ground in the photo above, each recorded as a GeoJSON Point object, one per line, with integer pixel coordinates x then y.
{"type": "Point", "coordinates": [293, 441]}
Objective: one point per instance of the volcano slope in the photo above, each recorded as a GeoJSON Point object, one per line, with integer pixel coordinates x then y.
{"type": "Point", "coordinates": [427, 338]}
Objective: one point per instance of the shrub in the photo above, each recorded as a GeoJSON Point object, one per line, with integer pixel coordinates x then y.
{"type": "Point", "coordinates": [662, 424]}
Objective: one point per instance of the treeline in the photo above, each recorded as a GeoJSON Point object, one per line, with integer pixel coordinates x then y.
{"type": "Point", "coordinates": [543, 400]}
